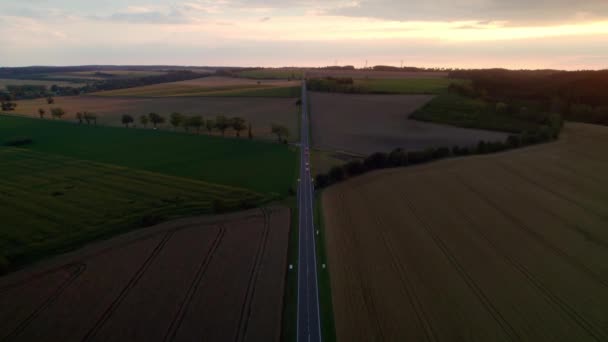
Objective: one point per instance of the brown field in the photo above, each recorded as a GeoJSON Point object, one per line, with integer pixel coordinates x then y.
{"type": "Point", "coordinates": [511, 246]}
{"type": "Point", "coordinates": [357, 74]}
{"type": "Point", "coordinates": [365, 124]}
{"type": "Point", "coordinates": [207, 86]}
{"type": "Point", "coordinates": [214, 279]}
{"type": "Point", "coordinates": [261, 112]}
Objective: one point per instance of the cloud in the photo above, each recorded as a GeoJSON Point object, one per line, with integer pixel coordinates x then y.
{"type": "Point", "coordinates": [516, 11]}
{"type": "Point", "coordinates": [265, 19]}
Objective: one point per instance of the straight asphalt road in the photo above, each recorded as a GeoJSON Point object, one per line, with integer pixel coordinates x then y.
{"type": "Point", "coordinates": [309, 322]}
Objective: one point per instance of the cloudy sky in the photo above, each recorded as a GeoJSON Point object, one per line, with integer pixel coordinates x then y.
{"type": "Point", "coordinates": [563, 34]}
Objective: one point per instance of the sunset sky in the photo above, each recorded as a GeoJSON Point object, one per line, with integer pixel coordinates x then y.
{"type": "Point", "coordinates": [561, 34]}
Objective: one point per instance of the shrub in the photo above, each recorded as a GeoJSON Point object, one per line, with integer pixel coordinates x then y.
{"type": "Point", "coordinates": [398, 157]}
{"type": "Point", "coordinates": [336, 174]}
{"type": "Point", "coordinates": [150, 220]}
{"type": "Point", "coordinates": [354, 168]}
{"type": "Point", "coordinates": [18, 141]}
{"type": "Point", "coordinates": [322, 180]}
{"type": "Point", "coordinates": [377, 160]}
{"type": "Point", "coordinates": [4, 264]}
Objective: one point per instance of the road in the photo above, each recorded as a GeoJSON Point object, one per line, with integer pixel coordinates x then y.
{"type": "Point", "coordinates": [309, 322]}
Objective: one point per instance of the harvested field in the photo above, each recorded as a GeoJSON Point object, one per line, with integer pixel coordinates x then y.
{"type": "Point", "coordinates": [365, 124]}
{"type": "Point", "coordinates": [357, 74]}
{"type": "Point", "coordinates": [213, 278]}
{"type": "Point", "coordinates": [261, 112]}
{"type": "Point", "coordinates": [206, 86]}
{"type": "Point", "coordinates": [511, 246]}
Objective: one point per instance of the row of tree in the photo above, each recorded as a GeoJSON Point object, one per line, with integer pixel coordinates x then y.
{"type": "Point", "coordinates": [402, 158]}
{"type": "Point", "coordinates": [196, 122]}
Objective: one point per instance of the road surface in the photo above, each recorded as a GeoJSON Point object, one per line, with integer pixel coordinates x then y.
{"type": "Point", "coordinates": [309, 323]}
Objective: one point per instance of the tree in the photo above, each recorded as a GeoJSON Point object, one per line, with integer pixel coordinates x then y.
{"type": "Point", "coordinates": [177, 119]}
{"type": "Point", "coordinates": [501, 108]}
{"type": "Point", "coordinates": [79, 117]}
{"type": "Point", "coordinates": [197, 122]}
{"type": "Point", "coordinates": [41, 112]}
{"type": "Point", "coordinates": [238, 124]}
{"type": "Point", "coordinates": [127, 119]}
{"type": "Point", "coordinates": [8, 105]}
{"type": "Point", "coordinates": [144, 120]}
{"type": "Point", "coordinates": [156, 119]}
{"type": "Point", "coordinates": [280, 131]}
{"type": "Point", "coordinates": [250, 132]}
{"type": "Point", "coordinates": [88, 117]}
{"type": "Point", "coordinates": [222, 124]}
{"type": "Point", "coordinates": [50, 100]}
{"type": "Point", "coordinates": [210, 124]}
{"type": "Point", "coordinates": [57, 112]}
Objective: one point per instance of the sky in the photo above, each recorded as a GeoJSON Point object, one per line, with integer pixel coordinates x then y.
{"type": "Point", "coordinates": [517, 34]}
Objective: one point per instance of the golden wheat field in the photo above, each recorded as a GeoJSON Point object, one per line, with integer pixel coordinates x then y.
{"type": "Point", "coordinates": [511, 246]}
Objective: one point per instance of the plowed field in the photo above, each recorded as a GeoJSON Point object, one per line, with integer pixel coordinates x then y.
{"type": "Point", "coordinates": [212, 279]}
{"type": "Point", "coordinates": [508, 247]}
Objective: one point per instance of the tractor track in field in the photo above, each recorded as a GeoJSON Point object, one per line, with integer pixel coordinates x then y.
{"type": "Point", "coordinates": [553, 192]}
{"type": "Point", "coordinates": [243, 324]}
{"type": "Point", "coordinates": [130, 285]}
{"type": "Point", "coordinates": [407, 286]}
{"type": "Point", "coordinates": [475, 289]}
{"type": "Point", "coordinates": [555, 300]}
{"type": "Point", "coordinates": [75, 269]}
{"type": "Point", "coordinates": [536, 236]}
{"type": "Point", "coordinates": [589, 236]}
{"type": "Point", "coordinates": [206, 260]}
{"type": "Point", "coordinates": [367, 298]}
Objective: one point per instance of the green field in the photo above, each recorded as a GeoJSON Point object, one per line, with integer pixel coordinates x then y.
{"type": "Point", "coordinates": [461, 111]}
{"type": "Point", "coordinates": [77, 183]}
{"type": "Point", "coordinates": [260, 166]}
{"type": "Point", "coordinates": [50, 203]}
{"type": "Point", "coordinates": [413, 86]}
{"type": "Point", "coordinates": [272, 74]}
{"type": "Point", "coordinates": [405, 86]}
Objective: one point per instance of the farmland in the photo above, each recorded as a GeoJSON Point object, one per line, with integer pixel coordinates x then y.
{"type": "Point", "coordinates": [364, 124]}
{"type": "Point", "coordinates": [371, 74]}
{"type": "Point", "coordinates": [413, 86]}
{"type": "Point", "coordinates": [199, 157]}
{"type": "Point", "coordinates": [466, 112]}
{"type": "Point", "coordinates": [51, 203]}
{"type": "Point", "coordinates": [280, 73]}
{"type": "Point", "coordinates": [5, 82]}
{"type": "Point", "coordinates": [213, 278]}
{"type": "Point", "coordinates": [510, 246]}
{"type": "Point", "coordinates": [207, 86]}
{"type": "Point", "coordinates": [261, 112]}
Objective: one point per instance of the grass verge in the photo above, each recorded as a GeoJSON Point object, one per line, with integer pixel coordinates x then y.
{"type": "Point", "coordinates": [328, 328]}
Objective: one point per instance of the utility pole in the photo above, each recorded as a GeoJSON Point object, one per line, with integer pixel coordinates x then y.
{"type": "Point", "coordinates": [402, 64]}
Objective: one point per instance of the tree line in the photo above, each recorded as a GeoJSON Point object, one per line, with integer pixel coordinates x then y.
{"type": "Point", "coordinates": [575, 95]}
{"type": "Point", "coordinates": [21, 92]}
{"type": "Point", "coordinates": [402, 158]}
